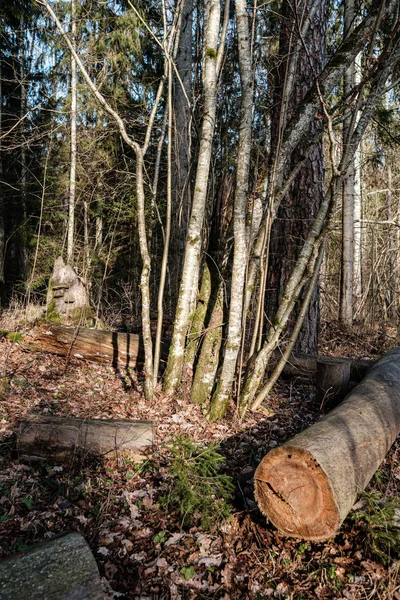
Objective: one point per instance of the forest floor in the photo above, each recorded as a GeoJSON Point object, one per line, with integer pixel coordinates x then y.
{"type": "Point", "coordinates": [140, 546]}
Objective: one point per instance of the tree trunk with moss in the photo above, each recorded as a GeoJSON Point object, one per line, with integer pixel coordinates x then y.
{"type": "Point", "coordinates": [207, 364]}
{"type": "Point", "coordinates": [197, 326]}
{"type": "Point", "coordinates": [234, 335]}
{"type": "Point", "coordinates": [192, 258]}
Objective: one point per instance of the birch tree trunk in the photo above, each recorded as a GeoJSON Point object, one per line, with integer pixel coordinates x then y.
{"type": "Point", "coordinates": [191, 263]}
{"type": "Point", "coordinates": [72, 176]}
{"type": "Point", "coordinates": [2, 229]}
{"type": "Point", "coordinates": [234, 335]}
{"type": "Point", "coordinates": [357, 282]}
{"type": "Point", "coordinates": [347, 273]}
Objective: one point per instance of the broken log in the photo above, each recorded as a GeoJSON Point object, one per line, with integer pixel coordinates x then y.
{"type": "Point", "coordinates": [45, 436]}
{"type": "Point", "coordinates": [62, 568]}
{"type": "Point", "coordinates": [307, 486]}
{"type": "Point", "coordinates": [94, 345]}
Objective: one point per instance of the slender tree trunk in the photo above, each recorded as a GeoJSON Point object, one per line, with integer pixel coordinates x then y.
{"type": "Point", "coordinates": [24, 168]}
{"type": "Point", "coordinates": [182, 145]}
{"type": "Point", "coordinates": [191, 264]}
{"type": "Point", "coordinates": [144, 280]}
{"type": "Point", "coordinates": [357, 283]}
{"type": "Point", "coordinates": [393, 302]}
{"type": "Point", "coordinates": [72, 177]}
{"type": "Point", "coordinates": [347, 274]}
{"type": "Point", "coordinates": [2, 229]}
{"type": "Point", "coordinates": [140, 151]}
{"type": "Point", "coordinates": [224, 388]}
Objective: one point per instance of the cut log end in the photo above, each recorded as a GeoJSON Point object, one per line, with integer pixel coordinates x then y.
{"type": "Point", "coordinates": [293, 491]}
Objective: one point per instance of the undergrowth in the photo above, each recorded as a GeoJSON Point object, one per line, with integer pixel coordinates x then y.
{"type": "Point", "coordinates": [380, 521]}
{"type": "Point", "coordinates": [198, 491]}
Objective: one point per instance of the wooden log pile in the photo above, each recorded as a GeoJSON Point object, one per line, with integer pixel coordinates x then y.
{"type": "Point", "coordinates": [62, 568]}
{"type": "Point", "coordinates": [308, 486]}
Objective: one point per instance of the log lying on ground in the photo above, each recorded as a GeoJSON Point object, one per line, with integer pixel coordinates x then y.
{"type": "Point", "coordinates": [44, 436]}
{"type": "Point", "coordinates": [62, 568]}
{"type": "Point", "coordinates": [307, 486]}
{"type": "Point", "coordinates": [333, 381]}
{"type": "Point", "coordinates": [107, 347]}
{"type": "Point", "coordinates": [306, 365]}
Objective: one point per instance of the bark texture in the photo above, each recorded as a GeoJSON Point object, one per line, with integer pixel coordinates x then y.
{"type": "Point", "coordinates": [62, 568]}
{"type": "Point", "coordinates": [234, 334]}
{"type": "Point", "coordinates": [333, 380]}
{"type": "Point", "coordinates": [42, 436]}
{"type": "Point", "coordinates": [302, 201]}
{"type": "Point", "coordinates": [307, 486]}
{"type": "Point", "coordinates": [191, 265]}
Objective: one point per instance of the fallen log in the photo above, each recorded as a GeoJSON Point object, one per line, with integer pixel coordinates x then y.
{"type": "Point", "coordinates": [333, 381]}
{"type": "Point", "coordinates": [94, 345]}
{"type": "Point", "coordinates": [62, 568]}
{"type": "Point", "coordinates": [45, 436]}
{"type": "Point", "coordinates": [306, 365]}
{"type": "Point", "coordinates": [307, 486]}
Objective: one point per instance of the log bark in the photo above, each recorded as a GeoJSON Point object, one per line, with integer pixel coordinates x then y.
{"type": "Point", "coordinates": [333, 381]}
{"type": "Point", "coordinates": [305, 365]}
{"type": "Point", "coordinates": [307, 486]}
{"type": "Point", "coordinates": [44, 436]}
{"type": "Point", "coordinates": [94, 345]}
{"type": "Point", "coordinates": [62, 568]}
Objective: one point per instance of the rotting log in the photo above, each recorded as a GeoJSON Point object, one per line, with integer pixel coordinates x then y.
{"type": "Point", "coordinates": [94, 345]}
{"type": "Point", "coordinates": [62, 568]}
{"type": "Point", "coordinates": [45, 436]}
{"type": "Point", "coordinates": [307, 486]}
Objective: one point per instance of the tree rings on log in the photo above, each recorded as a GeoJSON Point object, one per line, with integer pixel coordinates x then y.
{"type": "Point", "coordinates": [62, 568]}
{"type": "Point", "coordinates": [44, 436]}
{"type": "Point", "coordinates": [288, 485]}
{"type": "Point", "coordinates": [308, 486]}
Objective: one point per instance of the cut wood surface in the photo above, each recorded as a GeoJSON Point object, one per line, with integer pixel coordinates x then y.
{"type": "Point", "coordinates": [62, 568]}
{"type": "Point", "coordinates": [42, 436]}
{"type": "Point", "coordinates": [307, 486]}
{"type": "Point", "coordinates": [95, 345]}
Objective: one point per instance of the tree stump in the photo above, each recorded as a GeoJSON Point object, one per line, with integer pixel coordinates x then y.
{"type": "Point", "coordinates": [333, 379]}
{"type": "Point", "coordinates": [62, 568]}
{"type": "Point", "coordinates": [307, 486]}
{"type": "Point", "coordinates": [44, 436]}
{"type": "Point", "coordinates": [67, 295]}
